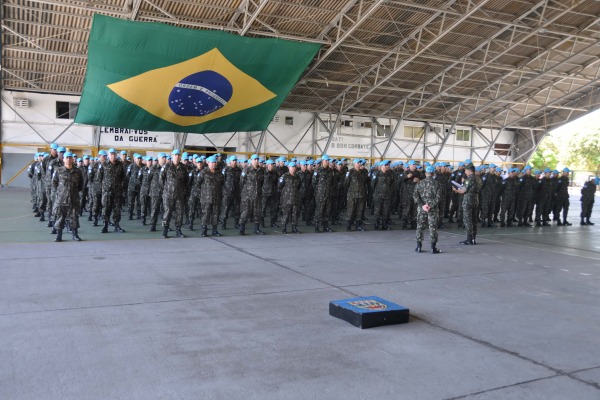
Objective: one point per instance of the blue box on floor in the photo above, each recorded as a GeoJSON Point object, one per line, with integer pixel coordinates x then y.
{"type": "Point", "coordinates": [369, 312]}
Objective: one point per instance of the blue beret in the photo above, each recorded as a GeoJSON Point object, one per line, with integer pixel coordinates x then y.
{"type": "Point", "coordinates": [201, 158]}
{"type": "Point", "coordinates": [411, 162]}
{"type": "Point", "coordinates": [232, 158]}
{"type": "Point", "coordinates": [356, 160]}
{"type": "Point", "coordinates": [468, 161]}
{"type": "Point", "coordinates": [461, 164]}
{"type": "Point", "coordinates": [430, 169]}
{"type": "Point", "coordinates": [68, 154]}
{"type": "Point", "coordinates": [168, 157]}
{"type": "Point", "coordinates": [427, 163]}
{"type": "Point", "coordinates": [79, 160]}
{"type": "Point", "coordinates": [217, 155]}
{"type": "Point", "coordinates": [161, 154]}
{"type": "Point", "coordinates": [325, 157]}
{"type": "Point", "coordinates": [212, 159]}
{"type": "Point", "coordinates": [302, 162]}
{"type": "Point", "coordinates": [61, 149]}
{"type": "Point", "coordinates": [385, 162]}
{"type": "Point", "coordinates": [527, 167]}
{"type": "Point", "coordinates": [102, 153]}
{"type": "Point", "coordinates": [123, 152]}
{"type": "Point", "coordinates": [176, 151]}
{"type": "Point", "coordinates": [566, 170]}
{"type": "Point", "coordinates": [86, 157]}
{"type": "Point", "coordinates": [310, 162]}
{"type": "Point", "coordinates": [254, 157]}
{"type": "Point", "coordinates": [185, 154]}
{"type": "Point", "coordinates": [138, 156]}
{"type": "Point", "coordinates": [270, 162]}
{"type": "Point", "coordinates": [493, 166]}
{"type": "Point", "coordinates": [292, 164]}
{"type": "Point", "coordinates": [54, 146]}
{"type": "Point", "coordinates": [111, 150]}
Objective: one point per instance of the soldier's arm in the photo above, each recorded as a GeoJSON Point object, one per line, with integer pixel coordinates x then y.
{"type": "Point", "coordinates": [54, 179]}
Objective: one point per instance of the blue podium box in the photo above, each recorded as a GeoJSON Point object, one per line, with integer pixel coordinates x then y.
{"type": "Point", "coordinates": [369, 312]}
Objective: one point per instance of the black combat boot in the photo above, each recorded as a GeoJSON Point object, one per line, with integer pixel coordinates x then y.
{"type": "Point", "coordinates": [204, 231]}
{"type": "Point", "coordinates": [583, 222]}
{"type": "Point", "coordinates": [215, 232]}
{"type": "Point", "coordinates": [105, 228]}
{"type": "Point", "coordinates": [502, 224]}
{"type": "Point", "coordinates": [588, 222]}
{"type": "Point", "coordinates": [565, 222]}
{"type": "Point", "coordinates": [54, 231]}
{"type": "Point", "coordinates": [58, 237]}
{"type": "Point", "coordinates": [326, 228]}
{"type": "Point", "coordinates": [559, 222]}
{"type": "Point", "coordinates": [434, 249]}
{"type": "Point", "coordinates": [37, 214]}
{"type": "Point", "coordinates": [274, 224]}
{"type": "Point", "coordinates": [295, 229]}
{"type": "Point", "coordinates": [224, 224]}
{"type": "Point", "coordinates": [483, 223]}
{"type": "Point", "coordinates": [527, 224]}
{"type": "Point", "coordinates": [165, 233]}
{"type": "Point", "coordinates": [118, 228]}
{"type": "Point", "coordinates": [317, 230]}
{"type": "Point", "coordinates": [50, 223]}
{"type": "Point", "coordinates": [257, 230]}
{"type": "Point", "coordinates": [90, 217]}
{"type": "Point", "coordinates": [538, 223]}
{"type": "Point", "coordinates": [468, 241]}
{"type": "Point", "coordinates": [95, 221]}
{"type": "Point", "coordinates": [385, 227]}
{"type": "Point", "coordinates": [284, 230]}
{"type": "Point", "coordinates": [139, 214]}
{"type": "Point", "coordinates": [419, 246]}
{"type": "Point", "coordinates": [130, 215]}
{"type": "Point", "coordinates": [153, 228]}
{"type": "Point", "coordinates": [191, 225]}
{"type": "Point", "coordinates": [520, 224]}
{"type": "Point", "coordinates": [377, 225]}
{"type": "Point", "coordinates": [75, 235]}
{"type": "Point", "coordinates": [491, 224]}
{"type": "Point", "coordinates": [360, 227]}
{"type": "Point", "coordinates": [545, 223]}
{"type": "Point", "coordinates": [144, 219]}
{"type": "Point", "coordinates": [42, 219]}
{"type": "Point", "coordinates": [349, 227]}
{"type": "Point", "coordinates": [179, 234]}
{"type": "Point", "coordinates": [509, 224]}
{"type": "Point", "coordinates": [242, 229]}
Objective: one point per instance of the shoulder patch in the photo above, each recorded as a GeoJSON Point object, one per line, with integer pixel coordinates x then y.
{"type": "Point", "coordinates": [348, 173]}
{"type": "Point", "coordinates": [316, 173]}
{"type": "Point", "coordinates": [281, 179]}
{"type": "Point", "coordinates": [190, 174]}
{"type": "Point", "coordinates": [243, 173]}
{"type": "Point", "coordinates": [163, 168]}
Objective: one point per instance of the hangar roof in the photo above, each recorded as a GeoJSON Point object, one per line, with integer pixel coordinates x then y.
{"type": "Point", "coordinates": [486, 63]}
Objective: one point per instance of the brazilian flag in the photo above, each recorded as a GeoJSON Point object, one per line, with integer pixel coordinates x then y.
{"type": "Point", "coordinates": [157, 77]}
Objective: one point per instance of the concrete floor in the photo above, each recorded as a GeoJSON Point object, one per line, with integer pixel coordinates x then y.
{"type": "Point", "coordinates": [133, 316]}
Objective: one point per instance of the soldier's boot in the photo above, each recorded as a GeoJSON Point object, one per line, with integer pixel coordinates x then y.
{"type": "Point", "coordinates": [58, 237]}
{"type": "Point", "coordinates": [90, 217]}
{"type": "Point", "coordinates": [349, 227]}
{"type": "Point", "coordinates": [165, 233]}
{"type": "Point", "coordinates": [262, 222]}
{"type": "Point", "coordinates": [565, 222]}
{"type": "Point", "coordinates": [483, 223]}
{"type": "Point", "coordinates": [583, 221]}
{"type": "Point", "coordinates": [75, 235]}
{"type": "Point", "coordinates": [558, 222]}
{"type": "Point", "coordinates": [360, 227]}
{"type": "Point", "coordinates": [450, 220]}
{"type": "Point", "coordinates": [54, 231]}
{"type": "Point", "coordinates": [144, 219]}
{"type": "Point", "coordinates": [37, 214]}
{"type": "Point", "coordinates": [545, 223]}
{"type": "Point", "coordinates": [317, 230]}
{"type": "Point", "coordinates": [42, 219]}
{"type": "Point", "coordinates": [224, 224]}
{"type": "Point", "coordinates": [50, 223]}
{"type": "Point", "coordinates": [215, 232]}
{"type": "Point", "coordinates": [538, 223]}
{"type": "Point", "coordinates": [385, 227]}
{"type": "Point", "coordinates": [434, 249]}
{"type": "Point", "coordinates": [191, 225]}
{"type": "Point", "coordinates": [502, 224]}
{"type": "Point", "coordinates": [139, 214]}
{"type": "Point", "coordinates": [130, 215]}
{"type": "Point", "coordinates": [509, 224]}
{"type": "Point", "coordinates": [242, 229]}
{"type": "Point", "coordinates": [491, 223]}
{"type": "Point", "coordinates": [295, 229]}
{"type": "Point", "coordinates": [118, 228]}
{"type": "Point", "coordinates": [377, 225]}
{"type": "Point", "coordinates": [153, 228]}
{"type": "Point", "coordinates": [520, 224]}
{"type": "Point", "coordinates": [326, 228]}
{"type": "Point", "coordinates": [419, 246]}
{"type": "Point", "coordinates": [527, 224]}
{"type": "Point", "coordinates": [179, 234]}
{"type": "Point", "coordinates": [588, 222]}
{"type": "Point", "coordinates": [468, 241]}
{"type": "Point", "coordinates": [95, 221]}
{"type": "Point", "coordinates": [274, 224]}
{"type": "Point", "coordinates": [105, 228]}
{"type": "Point", "coordinates": [284, 230]}
{"type": "Point", "coordinates": [257, 230]}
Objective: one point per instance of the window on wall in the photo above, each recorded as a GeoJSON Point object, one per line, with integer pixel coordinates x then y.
{"type": "Point", "coordinates": [66, 110]}
{"type": "Point", "coordinates": [327, 125]}
{"type": "Point", "coordinates": [414, 132]}
{"type": "Point", "coordinates": [383, 131]}
{"type": "Point", "coordinates": [289, 120]}
{"type": "Point", "coordinates": [463, 135]}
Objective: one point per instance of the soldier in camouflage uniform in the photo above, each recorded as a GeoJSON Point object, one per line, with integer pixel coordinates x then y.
{"type": "Point", "coordinates": [509, 199]}
{"type": "Point", "coordinates": [308, 205]}
{"type": "Point", "coordinates": [39, 186]}
{"type": "Point", "coordinates": [427, 195]}
{"type": "Point", "coordinates": [53, 164]}
{"type": "Point", "coordinates": [134, 179]}
{"type": "Point", "coordinates": [156, 190]}
{"type": "Point", "coordinates": [83, 198]}
{"type": "Point", "coordinates": [173, 176]}
{"type": "Point", "coordinates": [231, 192]}
{"type": "Point", "coordinates": [95, 173]}
{"type": "Point", "coordinates": [31, 176]}
{"type": "Point", "coordinates": [561, 198]}
{"type": "Point", "coordinates": [195, 183]}
{"type": "Point", "coordinates": [289, 185]}
{"type": "Point", "coordinates": [588, 196]}
{"type": "Point", "coordinates": [356, 183]}
{"type": "Point", "coordinates": [442, 176]}
{"type": "Point", "coordinates": [270, 193]}
{"type": "Point", "coordinates": [68, 182]}
{"type": "Point", "coordinates": [411, 177]}
{"type": "Point", "coordinates": [144, 173]}
{"type": "Point", "coordinates": [112, 176]}
{"type": "Point", "coordinates": [323, 183]}
{"type": "Point", "coordinates": [525, 203]}
{"type": "Point", "coordinates": [211, 192]}
{"type": "Point", "coordinates": [251, 184]}
{"type": "Point", "coordinates": [381, 183]}
{"type": "Point", "coordinates": [488, 197]}
{"type": "Point", "coordinates": [470, 191]}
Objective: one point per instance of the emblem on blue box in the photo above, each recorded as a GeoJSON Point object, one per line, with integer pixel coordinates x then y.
{"type": "Point", "coordinates": [368, 304]}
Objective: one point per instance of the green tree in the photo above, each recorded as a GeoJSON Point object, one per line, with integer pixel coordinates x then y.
{"type": "Point", "coordinates": [584, 150]}
{"type": "Point", "coordinates": [547, 154]}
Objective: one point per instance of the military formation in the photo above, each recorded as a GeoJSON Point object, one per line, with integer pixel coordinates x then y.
{"type": "Point", "coordinates": [258, 193]}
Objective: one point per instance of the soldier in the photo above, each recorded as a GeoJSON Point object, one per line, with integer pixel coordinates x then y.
{"type": "Point", "coordinates": [322, 183]}
{"type": "Point", "coordinates": [427, 195]}
{"type": "Point", "coordinates": [144, 173]}
{"type": "Point", "coordinates": [38, 173]}
{"type": "Point", "coordinates": [488, 196]}
{"type": "Point", "coordinates": [112, 176]}
{"type": "Point", "coordinates": [83, 198]}
{"type": "Point", "coordinates": [509, 198]}
{"type": "Point", "coordinates": [289, 184]}
{"type": "Point", "coordinates": [68, 182]}
{"type": "Point", "coordinates": [231, 192]}
{"type": "Point", "coordinates": [356, 183]}
{"type": "Point", "coordinates": [411, 178]}
{"type": "Point", "coordinates": [126, 163]}
{"type": "Point", "coordinates": [251, 184]}
{"type": "Point", "coordinates": [457, 176]}
{"type": "Point", "coordinates": [270, 194]}
{"type": "Point", "coordinates": [134, 179]}
{"type": "Point", "coordinates": [588, 194]}
{"type": "Point", "coordinates": [50, 189]}
{"type": "Point", "coordinates": [95, 177]}
{"type": "Point", "coordinates": [194, 183]}
{"type": "Point", "coordinates": [381, 184]}
{"type": "Point", "coordinates": [173, 178]}
{"type": "Point", "coordinates": [211, 192]}
{"type": "Point", "coordinates": [561, 198]}
{"type": "Point", "coordinates": [30, 175]}
{"type": "Point", "coordinates": [544, 192]}
{"type": "Point", "coordinates": [308, 205]}
{"type": "Point", "coordinates": [525, 196]}
{"type": "Point", "coordinates": [442, 176]}
{"type": "Point", "coordinates": [470, 204]}
{"type": "Point", "coordinates": [156, 190]}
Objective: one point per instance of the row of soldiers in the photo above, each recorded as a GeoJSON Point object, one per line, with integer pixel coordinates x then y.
{"type": "Point", "coordinates": [183, 186]}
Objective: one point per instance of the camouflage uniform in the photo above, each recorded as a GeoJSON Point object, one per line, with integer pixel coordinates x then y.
{"type": "Point", "coordinates": [113, 176]}
{"type": "Point", "coordinates": [95, 173]}
{"type": "Point", "coordinates": [53, 163]}
{"type": "Point", "coordinates": [83, 198]}
{"type": "Point", "coordinates": [308, 204]}
{"type": "Point", "coordinates": [322, 184]}
{"type": "Point", "coordinates": [443, 178]}
{"type": "Point", "coordinates": [509, 200]}
{"type": "Point", "coordinates": [381, 184]}
{"type": "Point", "coordinates": [174, 183]}
{"type": "Point", "coordinates": [561, 199]}
{"type": "Point", "coordinates": [427, 191]}
{"type": "Point", "coordinates": [68, 182]}
{"type": "Point", "coordinates": [194, 203]}
{"type": "Point", "coordinates": [211, 192]}
{"type": "Point", "coordinates": [251, 184]}
{"type": "Point", "coordinates": [134, 179]}
{"type": "Point", "coordinates": [525, 198]}
{"type": "Point", "coordinates": [487, 199]}
{"type": "Point", "coordinates": [409, 212]}
{"type": "Point", "coordinates": [356, 183]}
{"type": "Point", "coordinates": [155, 195]}
{"type": "Point", "coordinates": [270, 195]}
{"type": "Point", "coordinates": [290, 199]}
{"type": "Point", "coordinates": [542, 207]}
{"type": "Point", "coordinates": [32, 186]}
{"type": "Point", "coordinates": [470, 204]}
{"type": "Point", "coordinates": [40, 188]}
{"type": "Point", "coordinates": [144, 172]}
{"type": "Point", "coordinates": [231, 194]}
{"type": "Point", "coordinates": [588, 194]}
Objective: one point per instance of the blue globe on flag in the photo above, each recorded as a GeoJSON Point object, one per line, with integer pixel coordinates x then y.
{"type": "Point", "coordinates": [200, 94]}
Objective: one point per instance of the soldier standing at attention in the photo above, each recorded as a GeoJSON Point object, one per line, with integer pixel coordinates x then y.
{"type": "Point", "coordinates": [156, 190]}
{"type": "Point", "coordinates": [381, 183]}
{"type": "Point", "coordinates": [356, 184]}
{"type": "Point", "coordinates": [526, 185]}
{"type": "Point", "coordinates": [145, 188]}
{"type": "Point", "coordinates": [323, 182]}
{"type": "Point", "coordinates": [588, 193]}
{"type": "Point", "coordinates": [411, 177]}
{"type": "Point", "coordinates": [509, 198]}
{"type": "Point", "coordinates": [194, 183]}
{"type": "Point", "coordinates": [211, 191]}
{"type": "Point", "coordinates": [173, 178]}
{"type": "Point", "coordinates": [427, 195]}
{"type": "Point", "coordinates": [112, 176]}
{"type": "Point", "coordinates": [68, 182]}
{"type": "Point", "coordinates": [561, 200]}
{"type": "Point", "coordinates": [289, 184]}
{"type": "Point", "coordinates": [231, 192]}
{"type": "Point", "coordinates": [270, 194]}
{"type": "Point", "coordinates": [134, 179]}
{"type": "Point", "coordinates": [470, 203]}
{"type": "Point", "coordinates": [251, 183]}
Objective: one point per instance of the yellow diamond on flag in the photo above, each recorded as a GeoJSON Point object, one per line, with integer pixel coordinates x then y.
{"type": "Point", "coordinates": [195, 91]}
